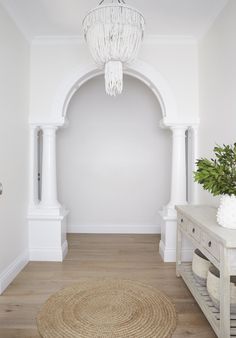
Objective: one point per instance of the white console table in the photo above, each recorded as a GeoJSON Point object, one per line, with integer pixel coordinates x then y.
{"type": "Point", "coordinates": [218, 244]}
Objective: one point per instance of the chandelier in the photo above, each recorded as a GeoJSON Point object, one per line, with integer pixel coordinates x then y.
{"type": "Point", "coordinates": [113, 32]}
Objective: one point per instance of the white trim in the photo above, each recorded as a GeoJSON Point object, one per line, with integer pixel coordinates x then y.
{"type": "Point", "coordinates": [169, 39]}
{"type": "Point", "coordinates": [169, 255]}
{"type": "Point", "coordinates": [57, 40]}
{"type": "Point", "coordinates": [139, 69]}
{"type": "Point", "coordinates": [16, 18]}
{"type": "Point", "coordinates": [49, 254]}
{"type": "Point", "coordinates": [211, 20]}
{"type": "Point", "coordinates": [40, 213]}
{"type": "Point", "coordinates": [164, 123]}
{"type": "Point", "coordinates": [79, 39]}
{"type": "Point", "coordinates": [10, 273]}
{"type": "Point", "coordinates": [114, 229]}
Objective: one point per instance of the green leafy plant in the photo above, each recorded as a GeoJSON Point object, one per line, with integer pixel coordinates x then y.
{"type": "Point", "coordinates": [218, 175]}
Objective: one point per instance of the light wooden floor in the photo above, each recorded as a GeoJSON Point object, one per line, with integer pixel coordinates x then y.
{"type": "Point", "coordinates": [92, 256]}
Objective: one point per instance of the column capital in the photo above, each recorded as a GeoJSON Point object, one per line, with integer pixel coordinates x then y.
{"type": "Point", "coordinates": [49, 131]}
{"type": "Point", "coordinates": [46, 127]}
{"type": "Point", "coordinates": [34, 127]}
{"type": "Point", "coordinates": [179, 131]}
{"type": "Point", "coordinates": [194, 127]}
{"type": "Point", "coordinates": [179, 127]}
{"type": "Point", "coordinates": [174, 125]}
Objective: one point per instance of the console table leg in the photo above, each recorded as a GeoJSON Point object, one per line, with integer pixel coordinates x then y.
{"type": "Point", "coordinates": [224, 294]}
{"type": "Point", "coordinates": [178, 250]}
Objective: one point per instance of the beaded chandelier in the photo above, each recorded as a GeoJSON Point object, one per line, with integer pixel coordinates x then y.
{"type": "Point", "coordinates": [113, 32]}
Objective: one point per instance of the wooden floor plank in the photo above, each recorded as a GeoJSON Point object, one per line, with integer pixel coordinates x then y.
{"type": "Point", "coordinates": [132, 257]}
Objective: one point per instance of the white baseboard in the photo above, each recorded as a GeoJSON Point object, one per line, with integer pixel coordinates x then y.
{"type": "Point", "coordinates": [169, 254]}
{"type": "Point", "coordinates": [114, 229]}
{"type": "Point", "coordinates": [10, 273]}
{"type": "Point", "coordinates": [47, 254]}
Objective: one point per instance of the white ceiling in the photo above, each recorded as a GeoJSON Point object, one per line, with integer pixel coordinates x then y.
{"type": "Point", "coordinates": [182, 18]}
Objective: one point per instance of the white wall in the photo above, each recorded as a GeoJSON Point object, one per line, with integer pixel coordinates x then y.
{"type": "Point", "coordinates": [217, 68]}
{"type": "Point", "coordinates": [114, 160]}
{"type": "Point", "coordinates": [14, 75]}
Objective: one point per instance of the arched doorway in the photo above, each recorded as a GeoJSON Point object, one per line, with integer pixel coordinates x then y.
{"type": "Point", "coordinates": [114, 160]}
{"type": "Point", "coordinates": [47, 218]}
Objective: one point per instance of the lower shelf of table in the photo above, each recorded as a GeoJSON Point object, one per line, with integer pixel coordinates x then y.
{"type": "Point", "coordinates": [202, 297]}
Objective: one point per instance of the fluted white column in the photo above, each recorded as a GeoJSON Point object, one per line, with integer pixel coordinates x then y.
{"type": "Point", "coordinates": [194, 152]}
{"type": "Point", "coordinates": [49, 174]}
{"type": "Point", "coordinates": [33, 170]}
{"type": "Point", "coordinates": [178, 174]}
{"type": "Point", "coordinates": [178, 194]}
{"type": "Point", "coordinates": [48, 222]}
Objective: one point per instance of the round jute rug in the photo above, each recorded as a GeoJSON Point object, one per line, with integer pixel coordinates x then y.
{"type": "Point", "coordinates": [107, 309]}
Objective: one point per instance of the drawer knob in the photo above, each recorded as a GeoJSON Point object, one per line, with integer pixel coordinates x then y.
{"type": "Point", "coordinates": [193, 230]}
{"type": "Point", "coordinates": [209, 244]}
{"type": "Point", "coordinates": [181, 220]}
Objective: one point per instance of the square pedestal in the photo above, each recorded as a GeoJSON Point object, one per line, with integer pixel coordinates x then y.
{"type": "Point", "coordinates": [167, 246]}
{"type": "Point", "coordinates": [47, 236]}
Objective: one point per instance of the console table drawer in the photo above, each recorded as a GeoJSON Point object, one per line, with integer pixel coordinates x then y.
{"type": "Point", "coordinates": [211, 246]}
{"type": "Point", "coordinates": [182, 221]}
{"type": "Point", "coordinates": [194, 231]}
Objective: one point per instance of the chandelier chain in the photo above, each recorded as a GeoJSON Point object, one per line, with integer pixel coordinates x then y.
{"type": "Point", "coordinates": [119, 1]}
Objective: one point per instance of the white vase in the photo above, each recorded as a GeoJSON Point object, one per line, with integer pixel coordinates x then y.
{"type": "Point", "coordinates": [226, 214]}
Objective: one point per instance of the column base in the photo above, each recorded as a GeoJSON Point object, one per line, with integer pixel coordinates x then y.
{"type": "Point", "coordinates": [169, 254]}
{"type": "Point", "coordinates": [48, 254]}
{"type": "Point", "coordinates": [167, 245]}
{"type": "Point", "coordinates": [47, 235]}
{"type": "Point", "coordinates": [41, 210]}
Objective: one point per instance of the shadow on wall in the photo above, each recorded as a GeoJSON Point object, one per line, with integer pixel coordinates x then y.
{"type": "Point", "coordinates": [114, 161]}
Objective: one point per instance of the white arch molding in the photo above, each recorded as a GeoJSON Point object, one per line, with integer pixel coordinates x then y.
{"type": "Point", "coordinates": [139, 69]}
{"type": "Point", "coordinates": [47, 218]}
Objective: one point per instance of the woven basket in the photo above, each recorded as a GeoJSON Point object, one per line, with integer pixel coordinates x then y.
{"type": "Point", "coordinates": [200, 267]}
{"type": "Point", "coordinates": [213, 288]}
